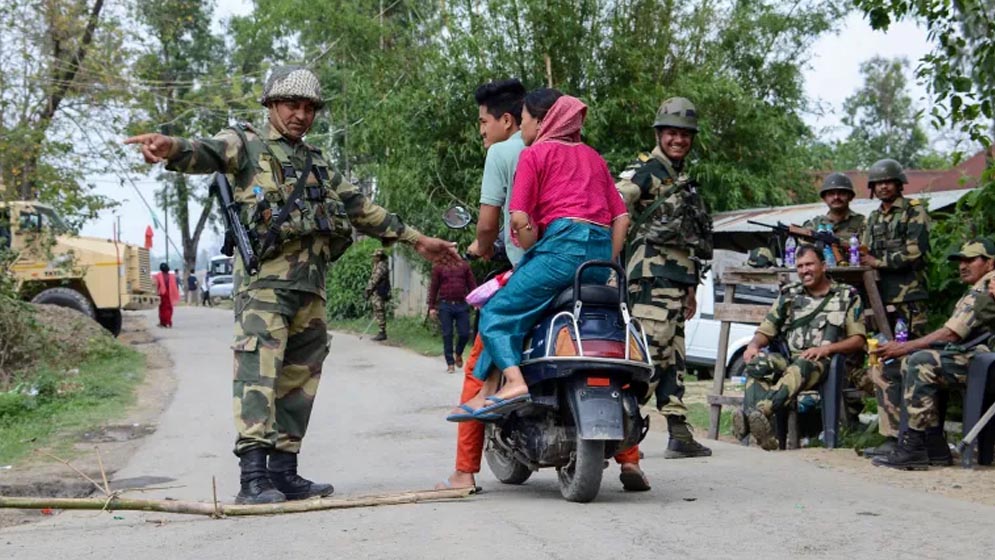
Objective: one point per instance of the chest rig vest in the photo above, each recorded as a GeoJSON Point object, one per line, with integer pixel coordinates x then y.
{"type": "Point", "coordinates": [285, 204]}
{"type": "Point", "coordinates": [810, 322]}
{"type": "Point", "coordinates": [676, 216]}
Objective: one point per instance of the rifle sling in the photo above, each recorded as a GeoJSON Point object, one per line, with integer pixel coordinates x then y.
{"type": "Point", "coordinates": [804, 321]}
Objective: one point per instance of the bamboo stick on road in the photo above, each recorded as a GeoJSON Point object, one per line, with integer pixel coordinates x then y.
{"type": "Point", "coordinates": [116, 503]}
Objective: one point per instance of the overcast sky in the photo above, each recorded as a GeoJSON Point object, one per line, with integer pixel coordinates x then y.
{"type": "Point", "coordinates": [833, 74]}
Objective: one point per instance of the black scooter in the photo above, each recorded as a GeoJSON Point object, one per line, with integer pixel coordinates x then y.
{"type": "Point", "coordinates": [588, 370]}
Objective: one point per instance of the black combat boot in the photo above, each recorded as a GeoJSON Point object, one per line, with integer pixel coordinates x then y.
{"type": "Point", "coordinates": [256, 486]}
{"type": "Point", "coordinates": [382, 335]}
{"type": "Point", "coordinates": [882, 450]}
{"type": "Point", "coordinates": [910, 454]}
{"type": "Point", "coordinates": [682, 443]}
{"type": "Point", "coordinates": [283, 475]}
{"type": "Point", "coordinates": [937, 448]}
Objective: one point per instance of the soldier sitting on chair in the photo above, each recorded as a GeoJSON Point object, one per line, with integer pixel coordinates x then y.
{"type": "Point", "coordinates": [817, 318]}
{"type": "Point", "coordinates": [926, 371]}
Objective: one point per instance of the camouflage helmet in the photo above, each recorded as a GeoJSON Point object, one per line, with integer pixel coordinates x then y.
{"type": "Point", "coordinates": [885, 170]}
{"type": "Point", "coordinates": [837, 182]}
{"type": "Point", "coordinates": [292, 82]}
{"type": "Point", "coordinates": [677, 112]}
{"type": "Point", "coordinates": [761, 257]}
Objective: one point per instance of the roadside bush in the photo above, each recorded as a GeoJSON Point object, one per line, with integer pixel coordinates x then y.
{"type": "Point", "coordinates": [347, 281]}
{"type": "Point", "coordinates": [971, 217]}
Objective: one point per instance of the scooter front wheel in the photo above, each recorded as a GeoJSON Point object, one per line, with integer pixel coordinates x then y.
{"type": "Point", "coordinates": [580, 481]}
{"type": "Point", "coordinates": [505, 467]}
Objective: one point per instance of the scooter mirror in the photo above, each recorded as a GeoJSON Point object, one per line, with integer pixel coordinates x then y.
{"type": "Point", "coordinates": [457, 217]}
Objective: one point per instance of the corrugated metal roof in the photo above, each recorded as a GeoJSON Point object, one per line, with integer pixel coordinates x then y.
{"type": "Point", "coordinates": [734, 233]}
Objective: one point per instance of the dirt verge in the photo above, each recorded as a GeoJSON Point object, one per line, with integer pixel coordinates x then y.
{"type": "Point", "coordinates": [38, 475]}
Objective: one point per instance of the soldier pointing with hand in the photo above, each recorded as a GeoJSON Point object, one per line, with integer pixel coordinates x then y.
{"type": "Point", "coordinates": [300, 214]}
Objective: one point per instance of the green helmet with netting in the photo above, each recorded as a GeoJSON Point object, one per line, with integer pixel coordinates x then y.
{"type": "Point", "coordinates": [292, 82]}
{"type": "Point", "coordinates": [677, 112]}
{"type": "Point", "coordinates": [886, 170]}
{"type": "Point", "coordinates": [761, 257]}
{"type": "Point", "coordinates": [837, 182]}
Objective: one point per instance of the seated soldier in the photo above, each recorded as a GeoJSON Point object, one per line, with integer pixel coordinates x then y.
{"type": "Point", "coordinates": [925, 371]}
{"type": "Point", "coordinates": [817, 318]}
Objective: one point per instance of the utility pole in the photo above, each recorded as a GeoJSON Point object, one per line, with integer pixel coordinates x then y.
{"type": "Point", "coordinates": [165, 225]}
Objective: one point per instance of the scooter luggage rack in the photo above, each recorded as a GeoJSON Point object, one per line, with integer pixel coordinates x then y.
{"type": "Point", "coordinates": [630, 325]}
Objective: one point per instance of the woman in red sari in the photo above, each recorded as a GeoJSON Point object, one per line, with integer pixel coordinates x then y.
{"type": "Point", "coordinates": [169, 294]}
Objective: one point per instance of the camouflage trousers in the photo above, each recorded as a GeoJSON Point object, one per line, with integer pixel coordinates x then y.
{"type": "Point", "coordinates": [379, 311]}
{"type": "Point", "coordinates": [659, 306]}
{"type": "Point", "coordinates": [771, 394]}
{"type": "Point", "coordinates": [281, 341]}
{"type": "Point", "coordinates": [924, 374]}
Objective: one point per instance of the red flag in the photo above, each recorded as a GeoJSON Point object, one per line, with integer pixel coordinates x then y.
{"type": "Point", "coordinates": [148, 237]}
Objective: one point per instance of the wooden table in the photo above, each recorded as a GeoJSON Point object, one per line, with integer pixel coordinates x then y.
{"type": "Point", "coordinates": [728, 312]}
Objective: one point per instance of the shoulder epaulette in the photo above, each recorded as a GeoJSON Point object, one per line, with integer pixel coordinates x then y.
{"type": "Point", "coordinates": [644, 157]}
{"type": "Point", "coordinates": [791, 287]}
{"type": "Point", "coordinates": [245, 126]}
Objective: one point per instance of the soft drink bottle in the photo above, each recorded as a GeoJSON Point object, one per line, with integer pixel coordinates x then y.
{"type": "Point", "coordinates": [790, 245]}
{"type": "Point", "coordinates": [854, 250]}
{"type": "Point", "coordinates": [901, 331]}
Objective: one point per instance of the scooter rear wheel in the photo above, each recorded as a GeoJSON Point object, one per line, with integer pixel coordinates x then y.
{"type": "Point", "coordinates": [506, 468]}
{"type": "Point", "coordinates": [581, 481]}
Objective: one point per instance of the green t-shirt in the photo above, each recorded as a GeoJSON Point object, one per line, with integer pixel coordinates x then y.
{"type": "Point", "coordinates": [495, 187]}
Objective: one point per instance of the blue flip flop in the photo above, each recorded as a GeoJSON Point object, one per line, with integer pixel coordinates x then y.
{"type": "Point", "coordinates": [506, 405]}
{"type": "Point", "coordinates": [471, 416]}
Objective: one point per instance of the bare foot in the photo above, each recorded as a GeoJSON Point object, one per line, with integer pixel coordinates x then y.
{"type": "Point", "coordinates": [474, 403]}
{"type": "Point", "coordinates": [512, 390]}
{"type": "Point", "coordinates": [458, 479]}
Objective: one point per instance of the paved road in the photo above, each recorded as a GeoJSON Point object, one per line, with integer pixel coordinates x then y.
{"type": "Point", "coordinates": [378, 427]}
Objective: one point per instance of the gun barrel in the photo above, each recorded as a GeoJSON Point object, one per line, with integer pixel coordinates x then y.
{"type": "Point", "coordinates": [233, 225]}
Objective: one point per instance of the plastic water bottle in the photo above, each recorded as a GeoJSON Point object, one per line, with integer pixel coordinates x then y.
{"type": "Point", "coordinates": [790, 246]}
{"type": "Point", "coordinates": [901, 331]}
{"type": "Point", "coordinates": [854, 250]}
{"type": "Point", "coordinates": [827, 250]}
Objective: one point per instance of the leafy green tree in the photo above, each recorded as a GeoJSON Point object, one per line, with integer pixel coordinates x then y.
{"type": "Point", "coordinates": [883, 119]}
{"type": "Point", "coordinates": [185, 88]}
{"type": "Point", "coordinates": [60, 64]}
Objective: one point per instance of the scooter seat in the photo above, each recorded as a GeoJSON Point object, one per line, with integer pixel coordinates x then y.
{"type": "Point", "coordinates": [590, 294]}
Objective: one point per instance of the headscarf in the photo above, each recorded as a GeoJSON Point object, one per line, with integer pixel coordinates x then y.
{"type": "Point", "coordinates": [563, 121]}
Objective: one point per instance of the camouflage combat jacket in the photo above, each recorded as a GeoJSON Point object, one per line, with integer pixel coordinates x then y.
{"type": "Point", "coordinates": [263, 171]}
{"type": "Point", "coordinates": [844, 229]}
{"type": "Point", "coordinates": [676, 238]}
{"type": "Point", "coordinates": [972, 315]}
{"type": "Point", "coordinates": [379, 282]}
{"type": "Point", "coordinates": [899, 239]}
{"type": "Point", "coordinates": [804, 321]}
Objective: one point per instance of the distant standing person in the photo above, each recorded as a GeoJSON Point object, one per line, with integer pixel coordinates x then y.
{"type": "Point", "coordinates": [205, 292]}
{"type": "Point", "coordinates": [169, 294]}
{"type": "Point", "coordinates": [192, 288]}
{"type": "Point", "coordinates": [378, 291]}
{"type": "Point", "coordinates": [447, 302]}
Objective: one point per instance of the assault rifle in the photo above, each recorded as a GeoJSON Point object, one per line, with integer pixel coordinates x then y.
{"type": "Point", "coordinates": [235, 234]}
{"type": "Point", "coordinates": [819, 238]}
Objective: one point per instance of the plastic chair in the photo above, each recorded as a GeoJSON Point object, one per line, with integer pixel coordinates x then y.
{"type": "Point", "coordinates": [978, 396]}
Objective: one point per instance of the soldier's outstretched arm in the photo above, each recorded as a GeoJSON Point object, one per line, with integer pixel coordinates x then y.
{"type": "Point", "coordinates": [222, 153]}
{"type": "Point", "coordinates": [375, 221]}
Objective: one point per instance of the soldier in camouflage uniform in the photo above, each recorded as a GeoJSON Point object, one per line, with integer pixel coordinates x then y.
{"type": "Point", "coordinates": [926, 371]}
{"type": "Point", "coordinates": [670, 238]}
{"type": "Point", "coordinates": [378, 291]}
{"type": "Point", "coordinates": [837, 192]}
{"type": "Point", "coordinates": [280, 330]}
{"type": "Point", "coordinates": [815, 318]}
{"type": "Point", "coordinates": [897, 237]}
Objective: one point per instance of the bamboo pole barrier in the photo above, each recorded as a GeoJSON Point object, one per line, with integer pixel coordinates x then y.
{"type": "Point", "coordinates": [117, 503]}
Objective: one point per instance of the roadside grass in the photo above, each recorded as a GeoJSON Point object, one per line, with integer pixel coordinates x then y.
{"type": "Point", "coordinates": [698, 417]}
{"type": "Point", "coordinates": [407, 332]}
{"type": "Point", "coordinates": [50, 406]}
